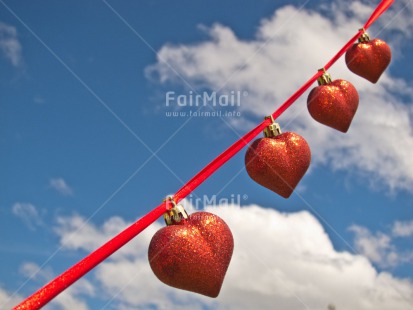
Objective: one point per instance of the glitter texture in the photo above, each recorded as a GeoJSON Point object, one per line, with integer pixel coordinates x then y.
{"type": "Point", "coordinates": [334, 104]}
{"type": "Point", "coordinates": [369, 59]}
{"type": "Point", "coordinates": [278, 163]}
{"type": "Point", "coordinates": [194, 254]}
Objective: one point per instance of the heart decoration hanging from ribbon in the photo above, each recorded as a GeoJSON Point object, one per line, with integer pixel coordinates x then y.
{"type": "Point", "coordinates": [368, 58]}
{"type": "Point", "coordinates": [333, 103]}
{"type": "Point", "coordinates": [192, 253]}
{"type": "Point", "coordinates": [278, 161]}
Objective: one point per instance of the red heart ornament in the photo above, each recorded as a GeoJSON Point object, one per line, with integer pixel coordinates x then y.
{"type": "Point", "coordinates": [278, 163]}
{"type": "Point", "coordinates": [193, 254]}
{"type": "Point", "coordinates": [334, 104]}
{"type": "Point", "coordinates": [369, 59]}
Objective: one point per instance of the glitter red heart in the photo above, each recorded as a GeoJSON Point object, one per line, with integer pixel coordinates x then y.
{"type": "Point", "coordinates": [334, 104]}
{"type": "Point", "coordinates": [369, 59]}
{"type": "Point", "coordinates": [193, 254]}
{"type": "Point", "coordinates": [278, 163]}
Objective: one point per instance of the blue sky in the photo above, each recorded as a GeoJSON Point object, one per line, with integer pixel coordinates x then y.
{"type": "Point", "coordinates": [87, 147]}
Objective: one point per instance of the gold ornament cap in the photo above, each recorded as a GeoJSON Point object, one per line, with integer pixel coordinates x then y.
{"type": "Point", "coordinates": [273, 129]}
{"type": "Point", "coordinates": [176, 214]}
{"type": "Point", "coordinates": [325, 78]}
{"type": "Point", "coordinates": [364, 37]}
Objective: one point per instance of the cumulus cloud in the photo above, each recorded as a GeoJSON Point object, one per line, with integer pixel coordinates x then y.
{"type": "Point", "coordinates": [8, 300]}
{"type": "Point", "coordinates": [61, 186]}
{"type": "Point", "coordinates": [76, 234]}
{"type": "Point", "coordinates": [403, 228]}
{"type": "Point", "coordinates": [379, 247]}
{"type": "Point", "coordinates": [33, 271]}
{"type": "Point", "coordinates": [287, 49]}
{"type": "Point", "coordinates": [280, 260]}
{"type": "Point", "coordinates": [10, 46]}
{"type": "Point", "coordinates": [28, 213]}
{"type": "Point", "coordinates": [72, 298]}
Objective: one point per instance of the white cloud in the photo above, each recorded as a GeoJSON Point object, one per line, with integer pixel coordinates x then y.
{"type": "Point", "coordinates": [399, 19]}
{"type": "Point", "coordinates": [288, 48]}
{"type": "Point", "coordinates": [61, 186]}
{"type": "Point", "coordinates": [7, 300]}
{"type": "Point", "coordinates": [28, 214]}
{"type": "Point", "coordinates": [33, 271]}
{"type": "Point", "coordinates": [76, 234]}
{"type": "Point", "coordinates": [377, 247]}
{"type": "Point", "coordinates": [282, 260]}
{"type": "Point", "coordinates": [69, 299]}
{"type": "Point", "coordinates": [10, 45]}
{"type": "Point", "coordinates": [380, 248]}
{"type": "Point", "coordinates": [403, 229]}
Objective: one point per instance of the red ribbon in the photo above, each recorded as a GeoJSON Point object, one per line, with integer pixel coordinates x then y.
{"type": "Point", "coordinates": [67, 278]}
